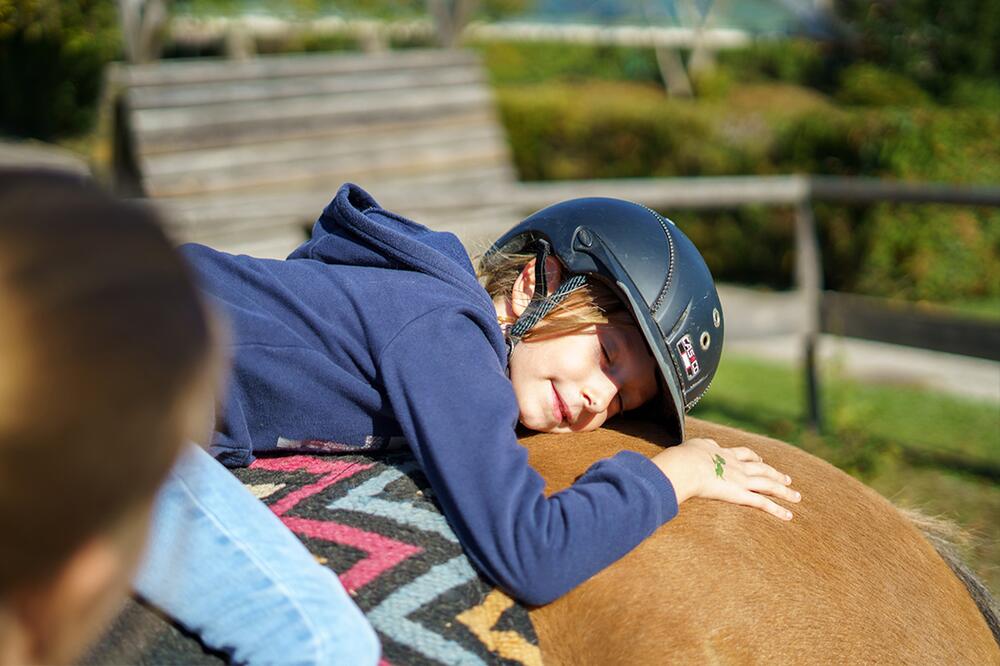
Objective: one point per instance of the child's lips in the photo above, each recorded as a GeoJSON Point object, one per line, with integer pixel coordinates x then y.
{"type": "Point", "coordinates": [559, 408]}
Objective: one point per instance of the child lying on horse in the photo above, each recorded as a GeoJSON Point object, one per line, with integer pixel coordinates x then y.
{"type": "Point", "coordinates": [377, 331]}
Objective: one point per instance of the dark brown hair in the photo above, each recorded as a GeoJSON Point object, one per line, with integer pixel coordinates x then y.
{"type": "Point", "coordinates": [102, 337]}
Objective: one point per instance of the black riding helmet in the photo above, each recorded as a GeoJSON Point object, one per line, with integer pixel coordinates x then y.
{"type": "Point", "coordinates": [652, 266]}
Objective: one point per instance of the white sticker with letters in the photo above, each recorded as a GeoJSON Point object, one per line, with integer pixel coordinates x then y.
{"type": "Point", "coordinates": [690, 360]}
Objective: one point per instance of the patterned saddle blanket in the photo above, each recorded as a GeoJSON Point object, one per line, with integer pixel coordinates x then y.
{"type": "Point", "coordinates": [375, 523]}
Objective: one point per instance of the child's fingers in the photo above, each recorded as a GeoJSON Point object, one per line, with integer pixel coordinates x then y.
{"type": "Point", "coordinates": [744, 454]}
{"type": "Point", "coordinates": [760, 484]}
{"type": "Point", "coordinates": [749, 498]}
{"type": "Point", "coordinates": [765, 470]}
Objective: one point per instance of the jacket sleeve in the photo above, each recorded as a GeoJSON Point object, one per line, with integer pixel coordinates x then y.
{"type": "Point", "coordinates": [458, 411]}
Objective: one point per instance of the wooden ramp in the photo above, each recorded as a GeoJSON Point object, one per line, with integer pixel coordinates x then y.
{"type": "Point", "coordinates": [244, 155]}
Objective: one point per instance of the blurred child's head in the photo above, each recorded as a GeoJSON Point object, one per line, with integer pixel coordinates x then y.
{"type": "Point", "coordinates": [583, 363]}
{"type": "Point", "coordinates": [106, 368]}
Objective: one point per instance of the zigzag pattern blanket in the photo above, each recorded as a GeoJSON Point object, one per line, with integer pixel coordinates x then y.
{"type": "Point", "coordinates": [374, 522]}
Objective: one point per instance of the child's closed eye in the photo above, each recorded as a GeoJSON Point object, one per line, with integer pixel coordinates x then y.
{"type": "Point", "coordinates": [606, 358]}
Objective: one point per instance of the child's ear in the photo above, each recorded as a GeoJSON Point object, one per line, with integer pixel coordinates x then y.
{"type": "Point", "coordinates": [524, 286]}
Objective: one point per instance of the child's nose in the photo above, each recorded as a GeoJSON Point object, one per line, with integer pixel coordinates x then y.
{"type": "Point", "coordinates": [598, 396]}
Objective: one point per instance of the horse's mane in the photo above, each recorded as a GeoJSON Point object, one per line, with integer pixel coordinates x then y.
{"type": "Point", "coordinates": [947, 539]}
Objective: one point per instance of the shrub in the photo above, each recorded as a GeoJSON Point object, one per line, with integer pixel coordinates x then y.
{"type": "Point", "coordinates": [52, 55]}
{"type": "Point", "coordinates": [753, 245]}
{"type": "Point", "coordinates": [799, 61]}
{"type": "Point", "coordinates": [929, 144]}
{"type": "Point", "coordinates": [512, 63]}
{"type": "Point", "coordinates": [931, 253]}
{"type": "Point", "coordinates": [712, 84]}
{"type": "Point", "coordinates": [974, 93]}
{"type": "Point", "coordinates": [869, 85]}
{"type": "Point", "coordinates": [921, 252]}
{"type": "Point", "coordinates": [606, 130]}
{"type": "Point", "coordinates": [927, 41]}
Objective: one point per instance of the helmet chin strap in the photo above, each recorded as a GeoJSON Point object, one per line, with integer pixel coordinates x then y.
{"type": "Point", "coordinates": [540, 304]}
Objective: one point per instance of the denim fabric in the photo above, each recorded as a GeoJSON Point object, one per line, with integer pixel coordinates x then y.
{"type": "Point", "coordinates": [225, 568]}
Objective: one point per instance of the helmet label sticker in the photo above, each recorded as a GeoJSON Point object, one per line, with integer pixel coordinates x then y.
{"type": "Point", "coordinates": [686, 351]}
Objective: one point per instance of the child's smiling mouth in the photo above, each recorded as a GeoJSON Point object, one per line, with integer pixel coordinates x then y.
{"type": "Point", "coordinates": [559, 409]}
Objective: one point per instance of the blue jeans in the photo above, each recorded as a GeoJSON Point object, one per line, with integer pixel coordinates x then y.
{"type": "Point", "coordinates": [225, 568]}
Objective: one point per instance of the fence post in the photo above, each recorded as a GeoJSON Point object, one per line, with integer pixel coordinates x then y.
{"type": "Point", "coordinates": [809, 280]}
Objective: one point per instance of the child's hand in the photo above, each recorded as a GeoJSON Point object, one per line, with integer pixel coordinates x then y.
{"type": "Point", "coordinates": [702, 468]}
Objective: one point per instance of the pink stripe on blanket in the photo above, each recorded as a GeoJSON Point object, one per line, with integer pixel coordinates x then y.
{"type": "Point", "coordinates": [383, 552]}
{"type": "Point", "coordinates": [310, 464]}
{"type": "Point", "coordinates": [336, 470]}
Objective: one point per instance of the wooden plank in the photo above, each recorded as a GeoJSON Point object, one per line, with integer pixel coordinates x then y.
{"type": "Point", "coordinates": [278, 246]}
{"type": "Point", "coordinates": [487, 184]}
{"type": "Point", "coordinates": [292, 118]}
{"type": "Point", "coordinates": [313, 172]}
{"type": "Point", "coordinates": [505, 216]}
{"type": "Point", "coordinates": [183, 71]}
{"type": "Point", "coordinates": [427, 192]}
{"type": "Point", "coordinates": [734, 191]}
{"type": "Point", "coordinates": [665, 193]}
{"type": "Point", "coordinates": [449, 193]}
{"type": "Point", "coordinates": [476, 228]}
{"type": "Point", "coordinates": [228, 92]}
{"type": "Point", "coordinates": [910, 325]}
{"type": "Point", "coordinates": [375, 164]}
{"type": "Point", "coordinates": [248, 229]}
{"type": "Point", "coordinates": [260, 136]}
{"type": "Point", "coordinates": [809, 280]}
{"type": "Point", "coordinates": [873, 190]}
{"type": "Point", "coordinates": [151, 121]}
{"type": "Point", "coordinates": [233, 159]}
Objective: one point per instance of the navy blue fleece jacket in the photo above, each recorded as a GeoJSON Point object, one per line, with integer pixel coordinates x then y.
{"type": "Point", "coordinates": [377, 328]}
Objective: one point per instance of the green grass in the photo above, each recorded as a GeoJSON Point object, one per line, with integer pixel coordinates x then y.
{"type": "Point", "coordinates": [984, 308]}
{"type": "Point", "coordinates": [921, 449]}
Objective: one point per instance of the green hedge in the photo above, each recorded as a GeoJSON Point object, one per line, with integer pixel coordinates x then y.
{"type": "Point", "coordinates": [613, 130]}
{"type": "Point", "coordinates": [52, 55]}
{"type": "Point", "coordinates": [512, 63]}
{"type": "Point", "coordinates": [794, 60]}
{"type": "Point", "coordinates": [927, 41]}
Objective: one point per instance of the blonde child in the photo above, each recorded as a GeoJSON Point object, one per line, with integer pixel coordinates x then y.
{"type": "Point", "coordinates": [377, 329]}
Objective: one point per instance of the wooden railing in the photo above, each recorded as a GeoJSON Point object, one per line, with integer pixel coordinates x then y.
{"type": "Point", "coordinates": [829, 312]}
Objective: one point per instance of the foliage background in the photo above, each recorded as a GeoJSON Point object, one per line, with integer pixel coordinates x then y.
{"type": "Point", "coordinates": [52, 55]}
{"type": "Point", "coordinates": [907, 91]}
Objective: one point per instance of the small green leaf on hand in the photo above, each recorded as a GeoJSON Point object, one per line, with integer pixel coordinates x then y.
{"type": "Point", "coordinates": [720, 464]}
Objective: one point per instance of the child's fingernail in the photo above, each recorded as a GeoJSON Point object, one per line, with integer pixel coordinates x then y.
{"type": "Point", "coordinates": [788, 515]}
{"type": "Point", "coordinates": [788, 479]}
{"type": "Point", "coordinates": [798, 495]}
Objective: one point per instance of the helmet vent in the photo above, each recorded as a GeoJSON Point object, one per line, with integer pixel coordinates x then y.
{"type": "Point", "coordinates": [706, 340]}
{"type": "Point", "coordinates": [716, 317]}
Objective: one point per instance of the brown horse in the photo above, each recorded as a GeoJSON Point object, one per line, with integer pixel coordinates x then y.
{"type": "Point", "coordinates": [849, 580]}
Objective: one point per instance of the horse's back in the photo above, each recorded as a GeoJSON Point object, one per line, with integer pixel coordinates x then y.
{"type": "Point", "coordinates": [848, 580]}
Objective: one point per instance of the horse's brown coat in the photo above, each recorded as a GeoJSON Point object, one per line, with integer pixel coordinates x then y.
{"type": "Point", "coordinates": [849, 580]}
